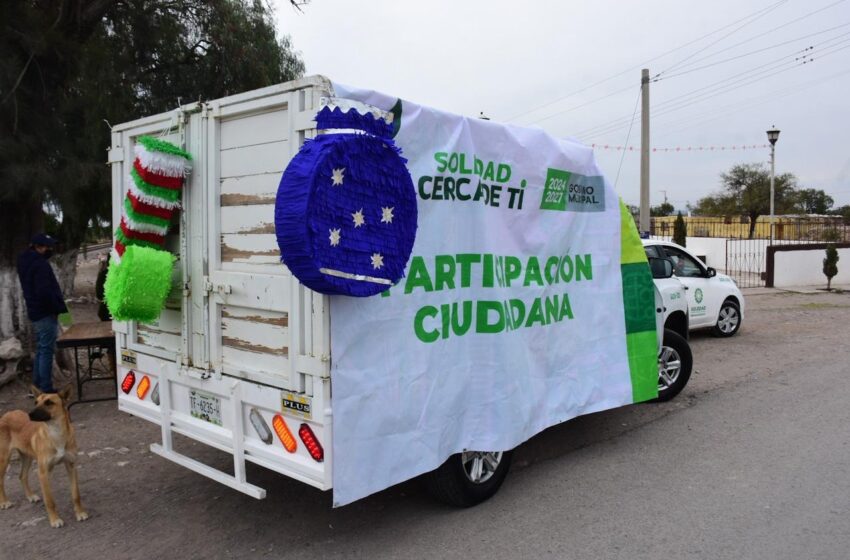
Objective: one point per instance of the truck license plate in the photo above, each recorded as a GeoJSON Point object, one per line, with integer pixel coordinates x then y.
{"type": "Point", "coordinates": [206, 407]}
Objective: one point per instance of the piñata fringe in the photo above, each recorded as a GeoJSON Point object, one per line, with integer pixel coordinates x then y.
{"type": "Point", "coordinates": [142, 226]}
{"type": "Point", "coordinates": [164, 164]}
{"type": "Point", "coordinates": [149, 199]}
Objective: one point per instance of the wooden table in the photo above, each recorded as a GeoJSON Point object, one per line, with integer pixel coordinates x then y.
{"type": "Point", "coordinates": [96, 338]}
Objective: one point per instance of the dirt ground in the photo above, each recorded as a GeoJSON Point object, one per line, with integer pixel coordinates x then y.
{"type": "Point", "coordinates": [134, 497]}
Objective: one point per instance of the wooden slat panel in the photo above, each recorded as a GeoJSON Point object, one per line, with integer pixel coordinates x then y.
{"type": "Point", "coordinates": [158, 339]}
{"type": "Point", "coordinates": [250, 189]}
{"type": "Point", "coordinates": [262, 128]}
{"type": "Point", "coordinates": [254, 337]}
{"type": "Point", "coordinates": [255, 248]}
{"type": "Point", "coordinates": [168, 321]}
{"type": "Point", "coordinates": [256, 291]}
{"type": "Point", "coordinates": [236, 360]}
{"type": "Point", "coordinates": [253, 160]}
{"type": "Point", "coordinates": [255, 315]}
{"type": "Point", "coordinates": [248, 219]}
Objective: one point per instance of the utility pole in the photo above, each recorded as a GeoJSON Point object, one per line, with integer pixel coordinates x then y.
{"type": "Point", "coordinates": [644, 150]}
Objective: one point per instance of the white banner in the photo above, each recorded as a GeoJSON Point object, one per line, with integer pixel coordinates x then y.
{"type": "Point", "coordinates": [510, 318]}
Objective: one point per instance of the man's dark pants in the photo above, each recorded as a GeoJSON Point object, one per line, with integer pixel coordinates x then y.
{"type": "Point", "coordinates": [46, 331]}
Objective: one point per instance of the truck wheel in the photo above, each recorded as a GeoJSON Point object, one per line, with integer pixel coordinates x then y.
{"type": "Point", "coordinates": [728, 320]}
{"type": "Point", "coordinates": [469, 478]}
{"type": "Point", "coordinates": [674, 365]}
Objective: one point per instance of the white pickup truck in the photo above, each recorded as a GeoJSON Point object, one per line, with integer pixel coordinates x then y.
{"type": "Point", "coordinates": [242, 353]}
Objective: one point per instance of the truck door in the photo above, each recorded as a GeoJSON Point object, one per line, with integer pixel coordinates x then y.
{"type": "Point", "coordinates": [263, 325]}
{"type": "Point", "coordinates": [166, 337]}
{"type": "Point", "coordinates": [695, 278]}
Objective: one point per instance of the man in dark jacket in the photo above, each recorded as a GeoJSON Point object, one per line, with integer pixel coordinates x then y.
{"type": "Point", "coordinates": [44, 303]}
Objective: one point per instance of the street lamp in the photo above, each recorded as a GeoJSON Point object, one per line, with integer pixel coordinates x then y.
{"type": "Point", "coordinates": [772, 137]}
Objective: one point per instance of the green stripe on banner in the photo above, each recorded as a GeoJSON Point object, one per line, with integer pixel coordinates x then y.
{"type": "Point", "coordinates": [639, 307]}
{"type": "Point", "coordinates": [169, 195]}
{"type": "Point", "coordinates": [146, 218]}
{"type": "Point", "coordinates": [638, 297]}
{"type": "Point", "coordinates": [643, 364]}
{"type": "Point", "coordinates": [631, 249]}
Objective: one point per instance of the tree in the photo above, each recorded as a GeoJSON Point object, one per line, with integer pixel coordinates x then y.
{"type": "Point", "coordinates": [746, 192]}
{"type": "Point", "coordinates": [844, 212]}
{"type": "Point", "coordinates": [680, 230]}
{"type": "Point", "coordinates": [830, 265]}
{"type": "Point", "coordinates": [813, 201]}
{"type": "Point", "coordinates": [663, 209]}
{"type": "Point", "coordinates": [68, 69]}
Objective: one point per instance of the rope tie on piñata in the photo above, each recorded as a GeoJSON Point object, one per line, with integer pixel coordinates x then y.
{"type": "Point", "coordinates": [139, 277]}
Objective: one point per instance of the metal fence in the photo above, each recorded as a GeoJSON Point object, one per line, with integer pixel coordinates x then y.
{"type": "Point", "coordinates": [746, 245]}
{"type": "Point", "coordinates": [786, 228]}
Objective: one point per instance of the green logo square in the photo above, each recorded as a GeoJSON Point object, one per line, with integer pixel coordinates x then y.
{"type": "Point", "coordinates": [555, 190]}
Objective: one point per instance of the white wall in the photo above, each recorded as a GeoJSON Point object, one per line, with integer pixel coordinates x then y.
{"type": "Point", "coordinates": [745, 255]}
{"type": "Point", "coordinates": [712, 248]}
{"type": "Point", "coordinates": [805, 268]}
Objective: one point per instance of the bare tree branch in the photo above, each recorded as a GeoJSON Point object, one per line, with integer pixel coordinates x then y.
{"type": "Point", "coordinates": [20, 78]}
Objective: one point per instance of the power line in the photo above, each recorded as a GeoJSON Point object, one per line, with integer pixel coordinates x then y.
{"type": "Point", "coordinates": [627, 138]}
{"type": "Point", "coordinates": [707, 94]}
{"type": "Point", "coordinates": [719, 112]}
{"type": "Point", "coordinates": [598, 132]}
{"type": "Point", "coordinates": [768, 32]}
{"type": "Point", "coordinates": [622, 121]}
{"type": "Point", "coordinates": [720, 86]}
{"type": "Point", "coordinates": [685, 97]}
{"type": "Point", "coordinates": [697, 95]}
{"type": "Point", "coordinates": [587, 136]}
{"type": "Point", "coordinates": [591, 102]}
{"type": "Point", "coordinates": [806, 56]}
{"type": "Point", "coordinates": [757, 17]}
{"type": "Point", "coordinates": [759, 51]}
{"type": "Point", "coordinates": [642, 64]}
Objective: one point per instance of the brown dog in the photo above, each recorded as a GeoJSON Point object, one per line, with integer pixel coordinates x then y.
{"type": "Point", "coordinates": [47, 436]}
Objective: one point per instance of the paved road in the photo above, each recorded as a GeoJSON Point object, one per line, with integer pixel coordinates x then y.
{"type": "Point", "coordinates": [751, 461]}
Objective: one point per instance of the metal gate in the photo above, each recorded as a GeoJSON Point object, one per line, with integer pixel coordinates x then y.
{"type": "Point", "coordinates": [746, 261]}
{"type": "Point", "coordinates": [746, 245]}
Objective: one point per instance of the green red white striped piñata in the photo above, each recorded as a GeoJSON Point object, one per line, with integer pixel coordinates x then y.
{"type": "Point", "coordinates": [156, 180]}
{"type": "Point", "coordinates": [139, 276]}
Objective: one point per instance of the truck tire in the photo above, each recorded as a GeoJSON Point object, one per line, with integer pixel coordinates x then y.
{"type": "Point", "coordinates": [469, 478]}
{"type": "Point", "coordinates": [674, 366]}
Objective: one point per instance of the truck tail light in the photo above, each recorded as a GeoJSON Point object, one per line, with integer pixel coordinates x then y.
{"type": "Point", "coordinates": [311, 442]}
{"type": "Point", "coordinates": [143, 388]}
{"type": "Point", "coordinates": [260, 426]}
{"type": "Point", "coordinates": [282, 431]}
{"type": "Point", "coordinates": [155, 394]}
{"type": "Point", "coordinates": [128, 382]}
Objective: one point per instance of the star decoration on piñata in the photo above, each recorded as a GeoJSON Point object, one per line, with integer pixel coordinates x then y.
{"type": "Point", "coordinates": [387, 215]}
{"type": "Point", "coordinates": [359, 220]}
{"type": "Point", "coordinates": [334, 237]}
{"type": "Point", "coordinates": [377, 261]}
{"type": "Point", "coordinates": [337, 177]}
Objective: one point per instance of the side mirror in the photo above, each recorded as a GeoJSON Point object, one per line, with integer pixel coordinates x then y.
{"type": "Point", "coordinates": [711, 272]}
{"type": "Point", "coordinates": [661, 268]}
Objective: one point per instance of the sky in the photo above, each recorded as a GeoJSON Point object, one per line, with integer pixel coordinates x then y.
{"type": "Point", "coordinates": [724, 72]}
